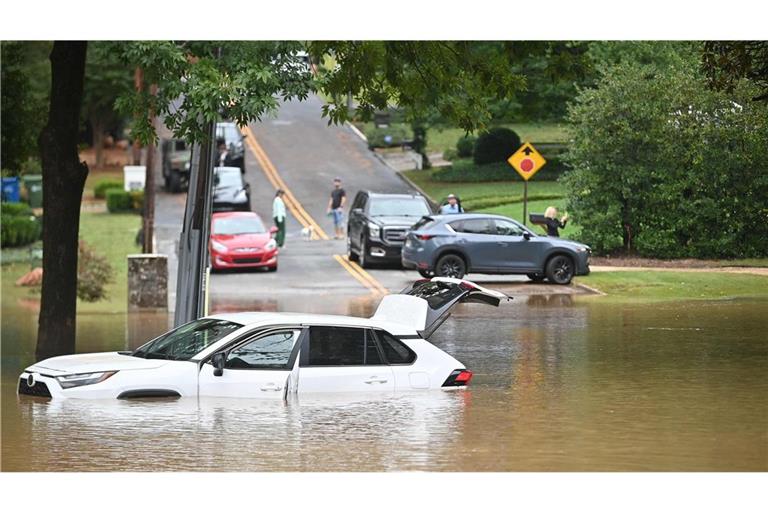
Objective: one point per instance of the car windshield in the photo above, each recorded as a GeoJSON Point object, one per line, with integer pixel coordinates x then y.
{"type": "Point", "coordinates": [228, 178]}
{"type": "Point", "coordinates": [238, 225]}
{"type": "Point", "coordinates": [187, 340]}
{"type": "Point", "coordinates": [401, 207]}
{"type": "Point", "coordinates": [229, 133]}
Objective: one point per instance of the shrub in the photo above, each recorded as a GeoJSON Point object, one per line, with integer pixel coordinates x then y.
{"type": "Point", "coordinates": [467, 170]}
{"type": "Point", "coordinates": [15, 209]}
{"type": "Point", "coordinates": [93, 274]}
{"type": "Point", "coordinates": [392, 135]}
{"type": "Point", "coordinates": [465, 146]}
{"type": "Point", "coordinates": [450, 154]}
{"type": "Point", "coordinates": [118, 200]}
{"type": "Point", "coordinates": [137, 199]}
{"type": "Point", "coordinates": [496, 145]}
{"type": "Point", "coordinates": [19, 230]}
{"type": "Point", "coordinates": [100, 190]}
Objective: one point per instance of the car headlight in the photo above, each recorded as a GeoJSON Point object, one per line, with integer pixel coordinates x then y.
{"type": "Point", "coordinates": [83, 379]}
{"type": "Point", "coordinates": [582, 249]}
{"type": "Point", "coordinates": [186, 166]}
{"type": "Point", "coordinates": [374, 230]}
{"type": "Point", "coordinates": [270, 245]}
{"type": "Point", "coordinates": [219, 247]}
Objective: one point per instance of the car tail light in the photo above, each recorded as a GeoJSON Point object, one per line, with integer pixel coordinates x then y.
{"type": "Point", "coordinates": [458, 378]}
{"type": "Point", "coordinates": [425, 237]}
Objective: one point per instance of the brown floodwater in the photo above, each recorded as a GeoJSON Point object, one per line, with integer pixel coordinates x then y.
{"type": "Point", "coordinates": [560, 384]}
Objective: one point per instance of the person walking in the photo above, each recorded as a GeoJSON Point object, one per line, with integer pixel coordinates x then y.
{"type": "Point", "coordinates": [278, 215]}
{"type": "Point", "coordinates": [553, 224]}
{"type": "Point", "coordinates": [336, 207]}
{"type": "Point", "coordinates": [453, 206]}
{"type": "Point", "coordinates": [223, 153]}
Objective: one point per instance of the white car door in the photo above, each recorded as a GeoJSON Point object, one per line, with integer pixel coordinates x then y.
{"type": "Point", "coordinates": [257, 367]}
{"type": "Point", "coordinates": [342, 359]}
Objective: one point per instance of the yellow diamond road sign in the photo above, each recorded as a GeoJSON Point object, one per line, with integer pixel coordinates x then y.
{"type": "Point", "coordinates": [527, 161]}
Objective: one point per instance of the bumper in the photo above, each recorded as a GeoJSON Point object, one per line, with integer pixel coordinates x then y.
{"type": "Point", "coordinates": [582, 264]}
{"type": "Point", "coordinates": [415, 258]}
{"type": "Point", "coordinates": [243, 260]}
{"type": "Point", "coordinates": [381, 251]}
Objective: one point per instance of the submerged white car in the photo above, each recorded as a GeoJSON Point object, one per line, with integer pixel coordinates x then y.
{"type": "Point", "coordinates": [271, 355]}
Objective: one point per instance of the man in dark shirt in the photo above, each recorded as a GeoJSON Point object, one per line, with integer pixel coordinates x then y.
{"type": "Point", "coordinates": [336, 208]}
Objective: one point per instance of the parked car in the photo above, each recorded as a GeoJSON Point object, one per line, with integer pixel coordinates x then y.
{"type": "Point", "coordinates": [455, 245]}
{"type": "Point", "coordinates": [273, 355]}
{"type": "Point", "coordinates": [235, 141]}
{"type": "Point", "coordinates": [176, 161]}
{"type": "Point", "coordinates": [378, 223]}
{"type": "Point", "coordinates": [230, 190]}
{"type": "Point", "coordinates": [240, 240]}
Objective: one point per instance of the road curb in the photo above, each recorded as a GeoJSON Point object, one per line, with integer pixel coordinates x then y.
{"type": "Point", "coordinates": [414, 186]}
{"type": "Point", "coordinates": [356, 131]}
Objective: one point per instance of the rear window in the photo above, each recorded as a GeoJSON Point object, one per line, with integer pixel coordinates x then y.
{"type": "Point", "coordinates": [342, 346]}
{"type": "Point", "coordinates": [424, 223]}
{"type": "Point", "coordinates": [395, 351]}
{"type": "Point", "coordinates": [228, 177]}
{"type": "Point", "coordinates": [436, 294]}
{"type": "Point", "coordinates": [474, 226]}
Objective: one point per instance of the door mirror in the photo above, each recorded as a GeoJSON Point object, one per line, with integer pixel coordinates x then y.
{"type": "Point", "coordinates": [218, 360]}
{"type": "Point", "coordinates": [526, 235]}
{"type": "Point", "coordinates": [357, 211]}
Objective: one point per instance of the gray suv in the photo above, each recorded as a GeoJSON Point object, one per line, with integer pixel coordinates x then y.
{"type": "Point", "coordinates": [455, 245]}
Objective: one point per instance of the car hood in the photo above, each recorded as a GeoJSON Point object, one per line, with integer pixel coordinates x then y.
{"type": "Point", "coordinates": [568, 244]}
{"type": "Point", "coordinates": [229, 195]}
{"type": "Point", "coordinates": [243, 240]}
{"type": "Point", "coordinates": [99, 362]}
{"type": "Point", "coordinates": [396, 220]}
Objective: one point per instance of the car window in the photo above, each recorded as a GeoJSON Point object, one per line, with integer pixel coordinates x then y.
{"type": "Point", "coordinates": [266, 351]}
{"type": "Point", "coordinates": [342, 346]}
{"type": "Point", "coordinates": [228, 178]}
{"type": "Point", "coordinates": [187, 340]}
{"type": "Point", "coordinates": [474, 226]}
{"type": "Point", "coordinates": [395, 351]}
{"type": "Point", "coordinates": [238, 225]}
{"type": "Point", "coordinates": [507, 228]}
{"type": "Point", "coordinates": [408, 206]}
{"type": "Point", "coordinates": [424, 223]}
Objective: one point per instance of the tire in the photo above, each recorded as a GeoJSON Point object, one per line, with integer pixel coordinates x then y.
{"type": "Point", "coordinates": [425, 273]}
{"type": "Point", "coordinates": [560, 269]}
{"type": "Point", "coordinates": [174, 182]}
{"type": "Point", "coordinates": [363, 255]}
{"type": "Point", "coordinates": [536, 278]}
{"type": "Point", "coordinates": [351, 254]}
{"type": "Point", "coordinates": [451, 265]}
{"type": "Point", "coordinates": [272, 269]}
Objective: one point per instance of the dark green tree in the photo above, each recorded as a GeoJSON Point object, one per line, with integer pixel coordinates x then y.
{"type": "Point", "coordinates": [727, 62]}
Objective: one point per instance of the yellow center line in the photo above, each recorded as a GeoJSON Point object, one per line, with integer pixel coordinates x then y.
{"type": "Point", "coordinates": [306, 220]}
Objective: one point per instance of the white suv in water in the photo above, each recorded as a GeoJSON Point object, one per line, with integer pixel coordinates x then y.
{"type": "Point", "coordinates": [272, 355]}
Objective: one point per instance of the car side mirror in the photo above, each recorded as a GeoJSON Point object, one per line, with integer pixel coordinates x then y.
{"type": "Point", "coordinates": [218, 360]}
{"type": "Point", "coordinates": [357, 211]}
{"type": "Point", "coordinates": [526, 235]}
{"type": "Point", "coordinates": [273, 231]}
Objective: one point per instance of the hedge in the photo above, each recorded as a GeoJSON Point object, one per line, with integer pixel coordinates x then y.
{"type": "Point", "coordinates": [496, 145]}
{"type": "Point", "coordinates": [377, 137]}
{"type": "Point", "coordinates": [101, 187]}
{"type": "Point", "coordinates": [118, 200]}
{"type": "Point", "coordinates": [19, 230]}
{"type": "Point", "coordinates": [467, 170]}
{"type": "Point", "coordinates": [15, 209]}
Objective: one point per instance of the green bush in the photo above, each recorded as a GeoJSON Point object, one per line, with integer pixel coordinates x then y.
{"type": "Point", "coordinates": [450, 154]}
{"type": "Point", "coordinates": [93, 274]}
{"type": "Point", "coordinates": [397, 133]}
{"type": "Point", "coordinates": [495, 145]}
{"type": "Point", "coordinates": [137, 199]}
{"type": "Point", "coordinates": [465, 146]}
{"type": "Point", "coordinates": [101, 187]}
{"type": "Point", "coordinates": [118, 200]}
{"type": "Point", "coordinates": [467, 170]}
{"type": "Point", "coordinates": [19, 230]}
{"type": "Point", "coordinates": [481, 203]}
{"type": "Point", "coordinates": [15, 209]}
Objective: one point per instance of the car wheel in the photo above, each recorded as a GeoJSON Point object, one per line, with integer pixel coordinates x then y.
{"type": "Point", "coordinates": [560, 269]}
{"type": "Point", "coordinates": [451, 265]}
{"type": "Point", "coordinates": [363, 257]}
{"type": "Point", "coordinates": [174, 182]}
{"type": "Point", "coordinates": [536, 278]}
{"type": "Point", "coordinates": [351, 255]}
{"type": "Point", "coordinates": [272, 269]}
{"type": "Point", "coordinates": [425, 273]}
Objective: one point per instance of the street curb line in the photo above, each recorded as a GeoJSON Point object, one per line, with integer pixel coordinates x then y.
{"type": "Point", "coordinates": [357, 131]}
{"type": "Point", "coordinates": [590, 289]}
{"type": "Point", "coordinates": [413, 185]}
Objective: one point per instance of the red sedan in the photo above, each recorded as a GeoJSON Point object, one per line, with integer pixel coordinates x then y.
{"type": "Point", "coordinates": [240, 240]}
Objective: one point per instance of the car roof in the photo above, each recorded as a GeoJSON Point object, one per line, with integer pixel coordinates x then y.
{"type": "Point", "coordinates": [385, 194]}
{"type": "Point", "coordinates": [463, 216]}
{"type": "Point", "coordinates": [257, 318]}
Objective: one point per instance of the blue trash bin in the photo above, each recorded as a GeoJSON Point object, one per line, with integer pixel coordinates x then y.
{"type": "Point", "coordinates": [11, 190]}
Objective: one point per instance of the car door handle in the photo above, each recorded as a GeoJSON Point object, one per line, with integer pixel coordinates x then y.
{"type": "Point", "coordinates": [375, 380]}
{"type": "Point", "coordinates": [271, 387]}
{"type": "Point", "coordinates": [503, 244]}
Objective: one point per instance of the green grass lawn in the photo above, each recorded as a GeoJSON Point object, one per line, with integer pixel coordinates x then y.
{"type": "Point", "coordinates": [672, 285]}
{"type": "Point", "coordinates": [438, 140]}
{"type": "Point", "coordinates": [475, 190]}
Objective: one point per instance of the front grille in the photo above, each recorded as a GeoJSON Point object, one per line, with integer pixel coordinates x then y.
{"type": "Point", "coordinates": [38, 389]}
{"type": "Point", "coordinates": [247, 260]}
{"type": "Point", "coordinates": [394, 234]}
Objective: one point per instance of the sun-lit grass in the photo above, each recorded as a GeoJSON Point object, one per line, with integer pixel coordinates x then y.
{"type": "Point", "coordinates": [473, 190]}
{"type": "Point", "coordinates": [438, 140]}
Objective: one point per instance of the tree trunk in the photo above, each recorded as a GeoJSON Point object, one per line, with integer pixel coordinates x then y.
{"type": "Point", "coordinates": [63, 181]}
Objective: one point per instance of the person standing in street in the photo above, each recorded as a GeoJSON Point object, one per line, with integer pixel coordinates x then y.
{"type": "Point", "coordinates": [453, 206]}
{"type": "Point", "coordinates": [336, 208]}
{"type": "Point", "coordinates": [553, 224]}
{"type": "Point", "coordinates": [278, 215]}
{"type": "Point", "coordinates": [223, 156]}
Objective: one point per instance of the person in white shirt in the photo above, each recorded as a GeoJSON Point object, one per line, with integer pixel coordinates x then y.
{"type": "Point", "coordinates": [453, 206]}
{"type": "Point", "coordinates": [278, 215]}
{"type": "Point", "coordinates": [221, 147]}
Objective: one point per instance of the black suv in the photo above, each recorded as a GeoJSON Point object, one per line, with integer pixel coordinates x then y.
{"type": "Point", "coordinates": [234, 139]}
{"type": "Point", "coordinates": [378, 224]}
{"type": "Point", "coordinates": [230, 191]}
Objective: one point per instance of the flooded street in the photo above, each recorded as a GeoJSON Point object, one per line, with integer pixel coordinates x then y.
{"type": "Point", "coordinates": [561, 383]}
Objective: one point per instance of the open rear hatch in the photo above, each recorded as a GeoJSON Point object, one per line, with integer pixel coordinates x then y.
{"type": "Point", "coordinates": [426, 304]}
